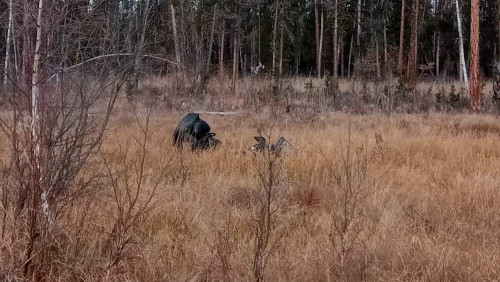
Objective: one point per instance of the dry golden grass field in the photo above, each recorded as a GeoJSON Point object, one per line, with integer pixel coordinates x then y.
{"type": "Point", "coordinates": [357, 197]}
{"type": "Point", "coordinates": [428, 206]}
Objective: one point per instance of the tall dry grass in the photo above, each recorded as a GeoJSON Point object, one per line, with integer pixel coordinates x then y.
{"type": "Point", "coordinates": [427, 208]}
{"type": "Point", "coordinates": [431, 211]}
{"type": "Point", "coordinates": [356, 95]}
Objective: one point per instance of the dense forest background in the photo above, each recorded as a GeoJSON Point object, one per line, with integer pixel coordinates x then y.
{"type": "Point", "coordinates": [233, 37]}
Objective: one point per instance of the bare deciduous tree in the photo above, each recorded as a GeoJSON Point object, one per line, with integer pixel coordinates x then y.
{"type": "Point", "coordinates": [53, 134]}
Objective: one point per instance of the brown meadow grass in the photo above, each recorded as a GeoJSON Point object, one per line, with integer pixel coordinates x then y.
{"type": "Point", "coordinates": [428, 206]}
{"type": "Point", "coordinates": [431, 213]}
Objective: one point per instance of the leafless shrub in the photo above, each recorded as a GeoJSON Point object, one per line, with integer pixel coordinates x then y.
{"type": "Point", "coordinates": [133, 189]}
{"type": "Point", "coordinates": [350, 182]}
{"type": "Point", "coordinates": [268, 229]}
{"type": "Point", "coordinates": [43, 179]}
{"type": "Point", "coordinates": [224, 246]}
{"type": "Point", "coordinates": [58, 109]}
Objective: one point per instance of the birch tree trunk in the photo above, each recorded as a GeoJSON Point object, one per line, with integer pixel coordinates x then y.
{"type": "Point", "coordinates": [401, 37]}
{"type": "Point", "coordinates": [36, 120]}
{"type": "Point", "coordinates": [412, 59]}
{"type": "Point", "coordinates": [463, 68]}
{"type": "Point", "coordinates": [7, 45]}
{"type": "Point", "coordinates": [474, 56]}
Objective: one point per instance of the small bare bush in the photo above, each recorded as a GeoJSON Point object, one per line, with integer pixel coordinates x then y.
{"type": "Point", "coordinates": [350, 183]}
{"type": "Point", "coordinates": [133, 180]}
{"type": "Point", "coordinates": [269, 230]}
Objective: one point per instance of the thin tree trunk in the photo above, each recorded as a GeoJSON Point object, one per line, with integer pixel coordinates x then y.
{"type": "Point", "coordinates": [438, 53]}
{"type": "Point", "coordinates": [498, 23]}
{"type": "Point", "coordinates": [474, 56]}
{"type": "Point", "coordinates": [64, 55]}
{"type": "Point", "coordinates": [358, 21]}
{"type": "Point", "coordinates": [321, 39]}
{"type": "Point", "coordinates": [176, 41]}
{"type": "Point", "coordinates": [401, 37]}
{"type": "Point", "coordinates": [253, 49]}
{"type": "Point", "coordinates": [438, 40]}
{"type": "Point", "coordinates": [235, 59]}
{"type": "Point", "coordinates": [319, 35]}
{"type": "Point", "coordinates": [245, 62]}
{"type": "Point", "coordinates": [316, 33]}
{"type": "Point", "coordinates": [377, 57]}
{"type": "Point", "coordinates": [241, 60]}
{"type": "Point", "coordinates": [130, 45]}
{"type": "Point", "coordinates": [350, 57]}
{"type": "Point", "coordinates": [412, 59]}
{"type": "Point", "coordinates": [297, 50]}
{"type": "Point", "coordinates": [275, 34]}
{"type": "Point", "coordinates": [27, 49]}
{"type": "Point", "coordinates": [15, 50]}
{"type": "Point", "coordinates": [385, 43]}
{"type": "Point", "coordinates": [335, 43]}
{"type": "Point", "coordinates": [281, 50]}
{"type": "Point", "coordinates": [235, 52]}
{"type": "Point", "coordinates": [259, 39]}
{"type": "Point", "coordinates": [221, 51]}
{"type": "Point", "coordinates": [140, 47]}
{"type": "Point", "coordinates": [7, 45]}
{"type": "Point", "coordinates": [209, 62]}
{"type": "Point", "coordinates": [463, 68]}
{"type": "Point", "coordinates": [35, 118]}
{"type": "Point", "coordinates": [342, 58]}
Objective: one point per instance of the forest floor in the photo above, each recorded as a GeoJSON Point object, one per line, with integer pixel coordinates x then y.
{"type": "Point", "coordinates": [357, 197]}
